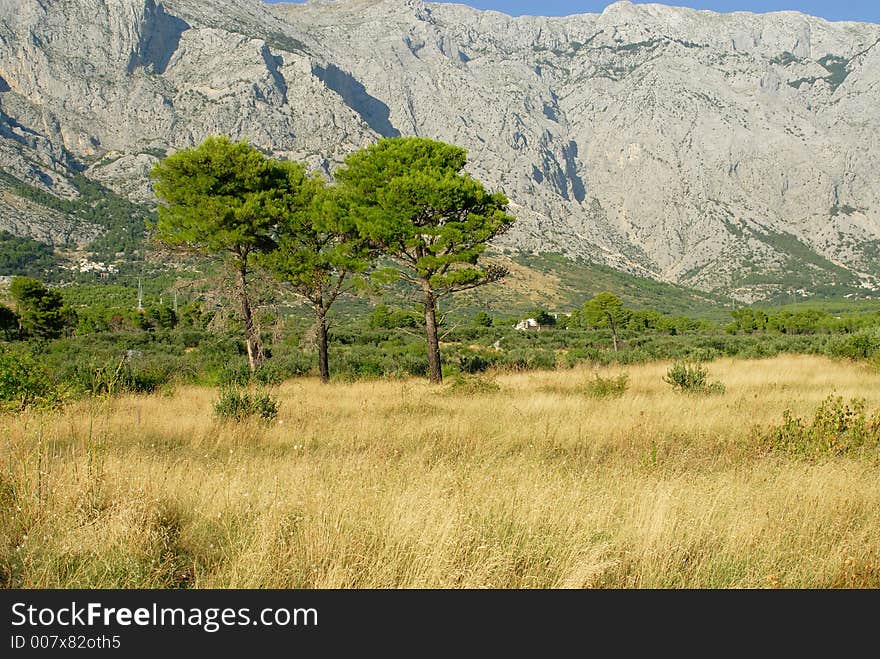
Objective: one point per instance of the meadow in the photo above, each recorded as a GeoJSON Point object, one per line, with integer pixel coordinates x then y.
{"type": "Point", "coordinates": [395, 483]}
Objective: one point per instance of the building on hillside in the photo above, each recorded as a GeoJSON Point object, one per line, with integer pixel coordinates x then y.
{"type": "Point", "coordinates": [528, 325]}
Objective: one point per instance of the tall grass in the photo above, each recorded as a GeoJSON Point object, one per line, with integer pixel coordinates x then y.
{"type": "Point", "coordinates": [398, 484]}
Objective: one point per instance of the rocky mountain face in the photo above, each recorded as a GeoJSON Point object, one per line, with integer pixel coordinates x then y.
{"type": "Point", "coordinates": [729, 152]}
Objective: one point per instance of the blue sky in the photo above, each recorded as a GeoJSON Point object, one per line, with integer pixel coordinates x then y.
{"type": "Point", "coordinates": [839, 10]}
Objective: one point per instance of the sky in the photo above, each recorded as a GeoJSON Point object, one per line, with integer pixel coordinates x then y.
{"type": "Point", "coordinates": [833, 10]}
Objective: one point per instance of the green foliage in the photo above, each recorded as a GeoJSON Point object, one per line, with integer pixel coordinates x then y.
{"type": "Point", "coordinates": [610, 387]}
{"type": "Point", "coordinates": [390, 359]}
{"type": "Point", "coordinates": [604, 310]}
{"type": "Point", "coordinates": [837, 429]}
{"type": "Point", "coordinates": [543, 317]}
{"type": "Point", "coordinates": [477, 362]}
{"type": "Point", "coordinates": [412, 200]}
{"type": "Point", "coordinates": [692, 378]}
{"type": "Point", "coordinates": [240, 405]}
{"type": "Point", "coordinates": [748, 320]}
{"type": "Point", "coordinates": [226, 199]}
{"type": "Point", "coordinates": [8, 323]}
{"type": "Point", "coordinates": [116, 377]}
{"type": "Point", "coordinates": [317, 243]}
{"type": "Point", "coordinates": [26, 257]}
{"type": "Point", "coordinates": [472, 385]}
{"type": "Point", "coordinates": [317, 249]}
{"type": "Point", "coordinates": [221, 197]}
{"type": "Point", "coordinates": [124, 222]}
{"type": "Point", "coordinates": [482, 319]}
{"type": "Point", "coordinates": [864, 344]}
{"type": "Point", "coordinates": [523, 359]}
{"type": "Point", "coordinates": [24, 382]}
{"type": "Point", "coordinates": [384, 317]}
{"type": "Point", "coordinates": [41, 312]}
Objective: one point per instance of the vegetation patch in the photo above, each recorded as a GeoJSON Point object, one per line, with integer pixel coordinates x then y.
{"type": "Point", "coordinates": [27, 257]}
{"type": "Point", "coordinates": [472, 385]}
{"type": "Point", "coordinates": [838, 428]}
{"type": "Point", "coordinates": [24, 383]}
{"type": "Point", "coordinates": [240, 405]}
{"type": "Point", "coordinates": [692, 379]}
{"type": "Point", "coordinates": [610, 387]}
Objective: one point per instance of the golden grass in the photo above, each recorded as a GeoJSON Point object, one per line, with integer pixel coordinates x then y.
{"type": "Point", "coordinates": [388, 484]}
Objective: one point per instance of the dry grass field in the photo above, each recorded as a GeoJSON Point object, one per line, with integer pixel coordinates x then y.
{"type": "Point", "coordinates": [395, 484]}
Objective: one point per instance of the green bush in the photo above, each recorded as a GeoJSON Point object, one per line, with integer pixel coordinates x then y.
{"type": "Point", "coordinates": [863, 344]}
{"type": "Point", "coordinates": [600, 387]}
{"type": "Point", "coordinates": [24, 383]}
{"type": "Point", "coordinates": [471, 385]}
{"type": "Point", "coordinates": [270, 373]}
{"type": "Point", "coordinates": [837, 429]}
{"type": "Point", "coordinates": [476, 362]}
{"type": "Point", "coordinates": [126, 374]}
{"type": "Point", "coordinates": [524, 359]}
{"type": "Point", "coordinates": [692, 378]}
{"type": "Point", "coordinates": [239, 405]}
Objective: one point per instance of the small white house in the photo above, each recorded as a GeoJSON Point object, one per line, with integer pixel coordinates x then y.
{"type": "Point", "coordinates": [528, 325]}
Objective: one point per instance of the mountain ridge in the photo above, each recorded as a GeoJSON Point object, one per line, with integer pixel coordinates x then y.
{"type": "Point", "coordinates": [728, 152]}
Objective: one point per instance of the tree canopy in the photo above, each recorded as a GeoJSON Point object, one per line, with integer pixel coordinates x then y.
{"type": "Point", "coordinates": [605, 310]}
{"type": "Point", "coordinates": [41, 311]}
{"type": "Point", "coordinates": [224, 199]}
{"type": "Point", "coordinates": [413, 201]}
{"type": "Point", "coordinates": [317, 250]}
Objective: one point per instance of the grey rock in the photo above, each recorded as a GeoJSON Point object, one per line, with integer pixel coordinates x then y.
{"type": "Point", "coordinates": [731, 152]}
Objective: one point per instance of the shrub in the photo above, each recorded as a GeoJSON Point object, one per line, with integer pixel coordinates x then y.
{"type": "Point", "coordinates": [863, 344]}
{"type": "Point", "coordinates": [240, 405]}
{"type": "Point", "coordinates": [837, 428]}
{"type": "Point", "coordinates": [577, 356]}
{"type": "Point", "coordinates": [475, 362]}
{"type": "Point", "coordinates": [471, 385]}
{"type": "Point", "coordinates": [109, 378]}
{"type": "Point", "coordinates": [270, 373]}
{"type": "Point", "coordinates": [529, 360]}
{"type": "Point", "coordinates": [125, 375]}
{"type": "Point", "coordinates": [24, 383]}
{"type": "Point", "coordinates": [234, 374]}
{"type": "Point", "coordinates": [600, 387]}
{"type": "Point", "coordinates": [692, 378]}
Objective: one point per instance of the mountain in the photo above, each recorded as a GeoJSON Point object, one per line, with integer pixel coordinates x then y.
{"type": "Point", "coordinates": [734, 153]}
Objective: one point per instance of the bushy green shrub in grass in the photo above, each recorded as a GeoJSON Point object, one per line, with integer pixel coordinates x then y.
{"type": "Point", "coordinates": [837, 428]}
{"type": "Point", "coordinates": [471, 385]}
{"type": "Point", "coordinates": [24, 383]}
{"type": "Point", "coordinates": [236, 404]}
{"type": "Point", "coordinates": [610, 387]}
{"type": "Point", "coordinates": [692, 379]}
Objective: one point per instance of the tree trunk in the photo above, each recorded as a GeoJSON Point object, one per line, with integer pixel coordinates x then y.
{"type": "Point", "coordinates": [614, 335]}
{"type": "Point", "coordinates": [321, 331]}
{"type": "Point", "coordinates": [251, 337]}
{"type": "Point", "coordinates": [434, 371]}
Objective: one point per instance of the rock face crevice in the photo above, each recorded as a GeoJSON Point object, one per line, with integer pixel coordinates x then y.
{"type": "Point", "coordinates": [160, 37]}
{"type": "Point", "coordinates": [353, 93]}
{"type": "Point", "coordinates": [733, 152]}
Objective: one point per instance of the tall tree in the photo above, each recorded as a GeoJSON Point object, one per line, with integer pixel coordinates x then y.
{"type": "Point", "coordinates": [318, 250]}
{"type": "Point", "coordinates": [415, 204]}
{"type": "Point", "coordinates": [221, 199]}
{"type": "Point", "coordinates": [605, 310]}
{"type": "Point", "coordinates": [41, 312]}
{"type": "Point", "coordinates": [8, 323]}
